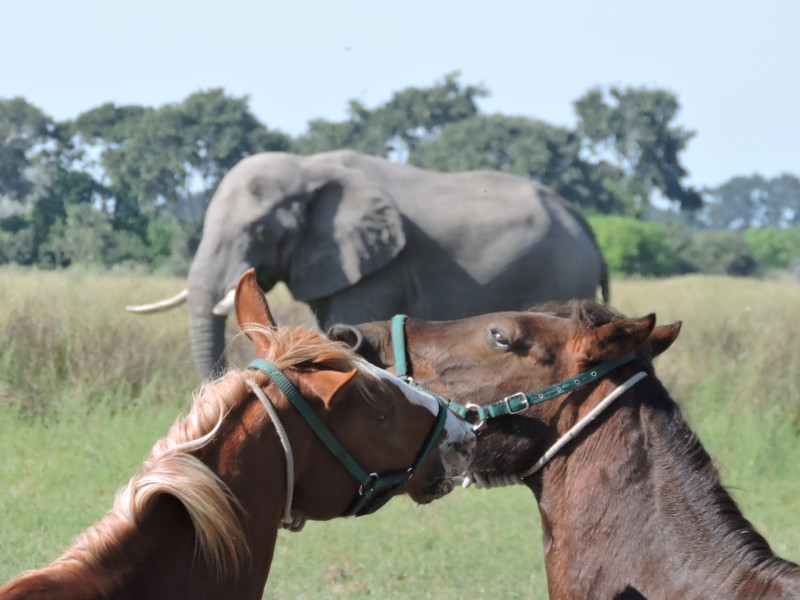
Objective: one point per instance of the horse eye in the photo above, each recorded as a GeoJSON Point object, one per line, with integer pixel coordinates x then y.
{"type": "Point", "coordinates": [498, 338]}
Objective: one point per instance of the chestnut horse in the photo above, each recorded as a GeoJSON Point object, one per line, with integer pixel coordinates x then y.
{"type": "Point", "coordinates": [632, 506]}
{"type": "Point", "coordinates": [201, 519]}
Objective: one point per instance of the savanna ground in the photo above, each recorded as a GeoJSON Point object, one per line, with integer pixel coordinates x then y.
{"type": "Point", "coordinates": [86, 389]}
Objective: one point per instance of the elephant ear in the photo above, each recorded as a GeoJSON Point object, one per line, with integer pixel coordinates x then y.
{"type": "Point", "coordinates": [352, 228]}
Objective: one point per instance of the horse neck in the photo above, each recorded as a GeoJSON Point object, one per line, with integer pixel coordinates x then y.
{"type": "Point", "coordinates": [136, 565]}
{"type": "Point", "coordinates": [641, 492]}
{"type": "Point", "coordinates": [147, 560]}
{"type": "Point", "coordinates": [108, 557]}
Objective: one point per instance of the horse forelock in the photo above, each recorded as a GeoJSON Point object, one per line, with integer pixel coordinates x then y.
{"type": "Point", "coordinates": [302, 348]}
{"type": "Point", "coordinates": [582, 313]}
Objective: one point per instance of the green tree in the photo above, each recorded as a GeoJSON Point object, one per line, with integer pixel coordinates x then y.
{"type": "Point", "coordinates": [773, 247]}
{"type": "Point", "coordinates": [527, 147]}
{"type": "Point", "coordinates": [26, 134]}
{"type": "Point", "coordinates": [219, 131]}
{"type": "Point", "coordinates": [634, 247]}
{"type": "Point", "coordinates": [396, 128]}
{"type": "Point", "coordinates": [84, 236]}
{"type": "Point", "coordinates": [754, 201]}
{"type": "Point", "coordinates": [635, 127]}
{"type": "Point", "coordinates": [107, 132]}
{"type": "Point", "coordinates": [166, 162]}
{"type": "Point", "coordinates": [17, 241]}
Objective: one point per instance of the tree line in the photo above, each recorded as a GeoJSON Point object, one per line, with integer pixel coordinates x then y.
{"type": "Point", "coordinates": [129, 184]}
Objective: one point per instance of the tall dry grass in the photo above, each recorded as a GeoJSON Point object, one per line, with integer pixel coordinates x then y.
{"type": "Point", "coordinates": [66, 334]}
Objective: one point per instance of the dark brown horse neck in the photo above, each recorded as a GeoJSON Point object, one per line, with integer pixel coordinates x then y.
{"type": "Point", "coordinates": [639, 491]}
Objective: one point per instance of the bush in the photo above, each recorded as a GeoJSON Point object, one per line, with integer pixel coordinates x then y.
{"type": "Point", "coordinates": [721, 253]}
{"type": "Point", "coordinates": [83, 237]}
{"type": "Point", "coordinates": [774, 248]}
{"type": "Point", "coordinates": [634, 247]}
{"type": "Point", "coordinates": [17, 246]}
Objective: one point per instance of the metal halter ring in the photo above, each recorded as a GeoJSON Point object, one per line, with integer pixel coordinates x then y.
{"type": "Point", "coordinates": [476, 409]}
{"type": "Point", "coordinates": [362, 489]}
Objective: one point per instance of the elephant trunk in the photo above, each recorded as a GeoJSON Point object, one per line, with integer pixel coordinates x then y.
{"type": "Point", "coordinates": [206, 331]}
{"type": "Point", "coordinates": [214, 271]}
{"type": "Point", "coordinates": [206, 287]}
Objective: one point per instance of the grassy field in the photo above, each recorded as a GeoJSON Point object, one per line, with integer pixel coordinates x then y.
{"type": "Point", "coordinates": [86, 389]}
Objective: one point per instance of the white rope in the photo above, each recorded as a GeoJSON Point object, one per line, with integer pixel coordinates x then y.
{"type": "Point", "coordinates": [288, 520]}
{"type": "Point", "coordinates": [490, 481]}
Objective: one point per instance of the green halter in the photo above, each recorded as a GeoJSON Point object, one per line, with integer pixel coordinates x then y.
{"type": "Point", "coordinates": [370, 483]}
{"type": "Point", "coordinates": [475, 414]}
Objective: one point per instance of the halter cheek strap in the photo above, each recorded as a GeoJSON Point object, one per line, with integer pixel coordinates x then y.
{"type": "Point", "coordinates": [288, 521]}
{"type": "Point", "coordinates": [477, 415]}
{"type": "Point", "coordinates": [370, 483]}
{"type": "Point", "coordinates": [490, 481]}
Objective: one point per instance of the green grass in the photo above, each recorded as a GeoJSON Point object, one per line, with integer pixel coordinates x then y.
{"type": "Point", "coordinates": [86, 389]}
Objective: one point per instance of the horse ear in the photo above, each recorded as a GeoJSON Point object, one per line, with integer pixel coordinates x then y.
{"type": "Point", "coordinates": [252, 311]}
{"type": "Point", "coordinates": [617, 338]}
{"type": "Point", "coordinates": [662, 337]}
{"type": "Point", "coordinates": [324, 384]}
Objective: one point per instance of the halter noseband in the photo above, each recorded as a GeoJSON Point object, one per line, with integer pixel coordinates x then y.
{"type": "Point", "coordinates": [370, 483]}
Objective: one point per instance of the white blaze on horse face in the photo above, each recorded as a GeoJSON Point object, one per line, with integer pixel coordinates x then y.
{"type": "Point", "coordinates": [458, 444]}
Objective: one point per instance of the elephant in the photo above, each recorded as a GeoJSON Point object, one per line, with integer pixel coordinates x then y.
{"type": "Point", "coordinates": [360, 238]}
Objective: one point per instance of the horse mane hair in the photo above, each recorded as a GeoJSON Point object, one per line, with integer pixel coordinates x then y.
{"type": "Point", "coordinates": [586, 313]}
{"type": "Point", "coordinates": [691, 473]}
{"type": "Point", "coordinates": [690, 469]}
{"type": "Point", "coordinates": [301, 347]}
{"type": "Point", "coordinates": [304, 349]}
{"type": "Point", "coordinates": [173, 469]}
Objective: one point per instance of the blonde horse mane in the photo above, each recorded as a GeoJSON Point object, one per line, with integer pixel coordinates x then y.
{"type": "Point", "coordinates": [171, 468]}
{"type": "Point", "coordinates": [301, 347]}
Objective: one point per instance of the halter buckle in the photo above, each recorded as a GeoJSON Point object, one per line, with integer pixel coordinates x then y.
{"type": "Point", "coordinates": [478, 420]}
{"type": "Point", "coordinates": [523, 399]}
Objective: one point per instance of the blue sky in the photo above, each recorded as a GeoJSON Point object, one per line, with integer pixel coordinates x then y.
{"type": "Point", "coordinates": [733, 65]}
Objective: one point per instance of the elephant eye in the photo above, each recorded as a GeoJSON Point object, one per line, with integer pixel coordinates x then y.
{"type": "Point", "coordinates": [499, 339]}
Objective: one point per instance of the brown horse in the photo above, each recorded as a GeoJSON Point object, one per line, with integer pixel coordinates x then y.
{"type": "Point", "coordinates": [201, 519]}
{"type": "Point", "coordinates": [632, 507]}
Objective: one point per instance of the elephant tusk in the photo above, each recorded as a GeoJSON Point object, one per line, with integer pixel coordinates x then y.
{"type": "Point", "coordinates": [225, 306]}
{"type": "Point", "coordinates": [161, 305]}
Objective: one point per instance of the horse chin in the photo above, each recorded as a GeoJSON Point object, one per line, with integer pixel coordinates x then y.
{"type": "Point", "coordinates": [433, 491]}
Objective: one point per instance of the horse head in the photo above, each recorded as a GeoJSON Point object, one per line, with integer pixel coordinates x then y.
{"type": "Point", "coordinates": [383, 424]}
{"type": "Point", "coordinates": [484, 360]}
